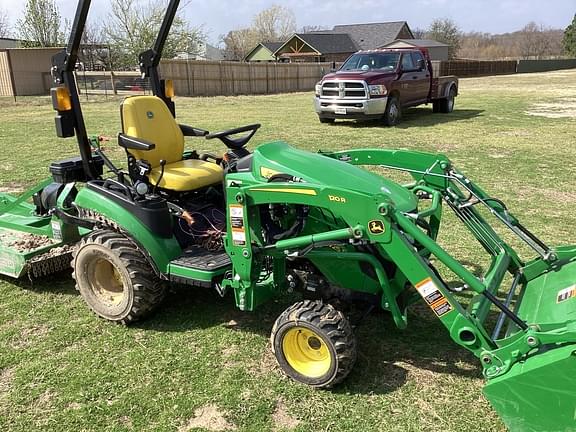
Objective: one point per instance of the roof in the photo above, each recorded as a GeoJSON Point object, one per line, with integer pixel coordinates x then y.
{"type": "Point", "coordinates": [424, 43]}
{"type": "Point", "coordinates": [327, 42]}
{"type": "Point", "coordinates": [213, 53]}
{"type": "Point", "coordinates": [373, 35]}
{"type": "Point", "coordinates": [272, 46]}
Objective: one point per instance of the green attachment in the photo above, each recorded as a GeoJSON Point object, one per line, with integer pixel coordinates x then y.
{"type": "Point", "coordinates": [32, 244]}
{"type": "Point", "coordinates": [537, 394]}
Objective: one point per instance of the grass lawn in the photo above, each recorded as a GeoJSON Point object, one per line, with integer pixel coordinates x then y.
{"type": "Point", "coordinates": [199, 362]}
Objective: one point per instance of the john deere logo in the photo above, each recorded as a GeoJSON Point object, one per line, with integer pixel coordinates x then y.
{"type": "Point", "coordinates": [150, 115]}
{"type": "Point", "coordinates": [376, 227]}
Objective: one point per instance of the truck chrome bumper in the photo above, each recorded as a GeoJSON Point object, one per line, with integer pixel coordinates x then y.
{"type": "Point", "coordinates": [350, 108]}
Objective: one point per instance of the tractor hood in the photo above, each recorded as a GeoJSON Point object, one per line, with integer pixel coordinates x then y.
{"type": "Point", "coordinates": [279, 157]}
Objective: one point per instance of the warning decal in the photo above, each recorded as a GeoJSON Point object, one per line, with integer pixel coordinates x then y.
{"type": "Point", "coordinates": [434, 297]}
{"type": "Point", "coordinates": [237, 225]}
{"type": "Point", "coordinates": [566, 294]}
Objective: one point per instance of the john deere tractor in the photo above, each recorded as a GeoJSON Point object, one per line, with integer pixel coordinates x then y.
{"type": "Point", "coordinates": [256, 224]}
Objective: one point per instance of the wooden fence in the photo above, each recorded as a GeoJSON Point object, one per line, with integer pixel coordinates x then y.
{"type": "Point", "coordinates": [207, 78]}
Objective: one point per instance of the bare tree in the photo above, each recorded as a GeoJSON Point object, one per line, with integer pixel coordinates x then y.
{"type": "Point", "coordinates": [132, 26]}
{"type": "Point", "coordinates": [534, 41]}
{"type": "Point", "coordinates": [446, 31]}
{"type": "Point", "coordinates": [238, 43]}
{"type": "Point", "coordinates": [40, 25]}
{"type": "Point", "coordinates": [419, 33]}
{"type": "Point", "coordinates": [313, 28]}
{"type": "Point", "coordinates": [274, 24]}
{"type": "Point", "coordinates": [4, 24]}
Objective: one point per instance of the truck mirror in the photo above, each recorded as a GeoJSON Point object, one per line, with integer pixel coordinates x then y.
{"type": "Point", "coordinates": [421, 64]}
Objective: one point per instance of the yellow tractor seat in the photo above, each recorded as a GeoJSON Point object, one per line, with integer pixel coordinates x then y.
{"type": "Point", "coordinates": [187, 175]}
{"type": "Point", "coordinates": [148, 118]}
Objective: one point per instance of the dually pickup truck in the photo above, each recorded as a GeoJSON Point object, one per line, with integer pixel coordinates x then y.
{"type": "Point", "coordinates": [379, 84]}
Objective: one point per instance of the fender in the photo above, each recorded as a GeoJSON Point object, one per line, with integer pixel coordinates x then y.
{"type": "Point", "coordinates": [160, 250]}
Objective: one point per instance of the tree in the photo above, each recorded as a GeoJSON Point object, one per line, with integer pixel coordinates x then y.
{"type": "Point", "coordinates": [534, 41]}
{"type": "Point", "coordinates": [132, 26]}
{"type": "Point", "coordinates": [569, 40]}
{"type": "Point", "coordinates": [4, 24]}
{"type": "Point", "coordinates": [274, 24]}
{"type": "Point", "coordinates": [313, 28]}
{"type": "Point", "coordinates": [419, 33]}
{"type": "Point", "coordinates": [446, 31]}
{"type": "Point", "coordinates": [40, 25]}
{"type": "Point", "coordinates": [238, 43]}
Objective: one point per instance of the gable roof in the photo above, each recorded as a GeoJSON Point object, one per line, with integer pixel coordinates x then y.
{"type": "Point", "coordinates": [272, 46]}
{"type": "Point", "coordinates": [373, 35]}
{"type": "Point", "coordinates": [425, 43]}
{"type": "Point", "coordinates": [325, 43]}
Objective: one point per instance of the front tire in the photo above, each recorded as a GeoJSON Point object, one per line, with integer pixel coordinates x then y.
{"type": "Point", "coordinates": [393, 113]}
{"type": "Point", "coordinates": [314, 344]}
{"type": "Point", "coordinates": [114, 277]}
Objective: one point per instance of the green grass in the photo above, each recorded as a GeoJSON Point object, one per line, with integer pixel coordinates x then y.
{"type": "Point", "coordinates": [63, 369]}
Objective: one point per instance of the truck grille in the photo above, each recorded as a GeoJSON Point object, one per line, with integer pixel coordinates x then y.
{"type": "Point", "coordinates": [344, 89]}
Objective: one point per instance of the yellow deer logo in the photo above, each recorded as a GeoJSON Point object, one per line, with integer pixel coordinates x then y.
{"type": "Point", "coordinates": [376, 227]}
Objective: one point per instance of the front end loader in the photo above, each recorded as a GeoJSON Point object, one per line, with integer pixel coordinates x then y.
{"type": "Point", "coordinates": [278, 219]}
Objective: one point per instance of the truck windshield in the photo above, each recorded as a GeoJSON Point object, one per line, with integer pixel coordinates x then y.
{"type": "Point", "coordinates": [372, 61]}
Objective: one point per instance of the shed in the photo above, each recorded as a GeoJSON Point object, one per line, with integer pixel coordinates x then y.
{"type": "Point", "coordinates": [437, 50]}
{"type": "Point", "coordinates": [26, 71]}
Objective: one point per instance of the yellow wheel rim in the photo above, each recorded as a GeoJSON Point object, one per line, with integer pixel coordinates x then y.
{"type": "Point", "coordinates": [306, 352]}
{"type": "Point", "coordinates": [106, 281]}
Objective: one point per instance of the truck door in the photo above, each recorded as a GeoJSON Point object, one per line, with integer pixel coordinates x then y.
{"type": "Point", "coordinates": [414, 83]}
{"type": "Point", "coordinates": [424, 77]}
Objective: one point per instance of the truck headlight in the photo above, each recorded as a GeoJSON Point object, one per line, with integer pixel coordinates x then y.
{"type": "Point", "coordinates": [377, 90]}
{"type": "Point", "coordinates": [318, 89]}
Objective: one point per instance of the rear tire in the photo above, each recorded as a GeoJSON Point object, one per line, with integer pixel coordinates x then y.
{"type": "Point", "coordinates": [446, 105]}
{"type": "Point", "coordinates": [314, 344]}
{"type": "Point", "coordinates": [114, 278]}
{"type": "Point", "coordinates": [393, 113]}
{"type": "Point", "coordinates": [326, 120]}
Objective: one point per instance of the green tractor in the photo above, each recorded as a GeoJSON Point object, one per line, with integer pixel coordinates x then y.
{"type": "Point", "coordinates": [278, 219]}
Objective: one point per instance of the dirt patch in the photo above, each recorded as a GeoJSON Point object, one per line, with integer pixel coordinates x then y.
{"type": "Point", "coordinates": [282, 419]}
{"type": "Point", "coordinates": [562, 108]}
{"type": "Point", "coordinates": [210, 418]}
{"type": "Point", "coordinates": [29, 335]}
{"type": "Point", "coordinates": [54, 252]}
{"type": "Point", "coordinates": [6, 379]}
{"type": "Point", "coordinates": [12, 188]}
{"type": "Point", "coordinates": [265, 365]}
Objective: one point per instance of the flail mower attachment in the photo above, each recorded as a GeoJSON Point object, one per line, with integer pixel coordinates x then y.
{"type": "Point", "coordinates": [32, 241]}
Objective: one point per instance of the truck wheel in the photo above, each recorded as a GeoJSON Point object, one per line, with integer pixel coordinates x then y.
{"type": "Point", "coordinates": [326, 120]}
{"type": "Point", "coordinates": [393, 113]}
{"type": "Point", "coordinates": [314, 344]}
{"type": "Point", "coordinates": [447, 105]}
{"type": "Point", "coordinates": [115, 278]}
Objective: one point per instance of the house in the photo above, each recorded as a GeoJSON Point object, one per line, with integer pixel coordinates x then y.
{"type": "Point", "coordinates": [263, 52]}
{"type": "Point", "coordinates": [334, 45]}
{"type": "Point", "coordinates": [9, 43]}
{"type": "Point", "coordinates": [317, 47]}
{"type": "Point", "coordinates": [437, 50]}
{"type": "Point", "coordinates": [203, 51]}
{"type": "Point", "coordinates": [375, 35]}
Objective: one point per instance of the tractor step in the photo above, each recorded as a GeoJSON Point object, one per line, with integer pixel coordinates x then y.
{"type": "Point", "coordinates": [199, 267]}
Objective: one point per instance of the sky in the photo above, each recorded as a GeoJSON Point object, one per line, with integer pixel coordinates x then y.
{"type": "Point", "coordinates": [491, 16]}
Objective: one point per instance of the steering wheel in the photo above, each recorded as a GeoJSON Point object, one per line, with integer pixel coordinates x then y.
{"type": "Point", "coordinates": [235, 143]}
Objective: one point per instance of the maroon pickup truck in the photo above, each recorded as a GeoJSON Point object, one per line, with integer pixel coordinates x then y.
{"type": "Point", "coordinates": [379, 84]}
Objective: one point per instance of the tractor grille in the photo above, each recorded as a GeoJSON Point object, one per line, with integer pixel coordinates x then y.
{"type": "Point", "coordinates": [344, 89]}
